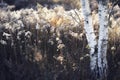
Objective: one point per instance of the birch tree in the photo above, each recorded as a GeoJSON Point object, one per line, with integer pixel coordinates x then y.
{"type": "Point", "coordinates": [103, 38]}
{"type": "Point", "coordinates": [98, 49]}
{"type": "Point", "coordinates": [91, 38]}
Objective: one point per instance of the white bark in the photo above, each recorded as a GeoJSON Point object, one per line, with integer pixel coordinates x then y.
{"type": "Point", "coordinates": [91, 38]}
{"type": "Point", "coordinates": [98, 61]}
{"type": "Point", "coordinates": [103, 38]}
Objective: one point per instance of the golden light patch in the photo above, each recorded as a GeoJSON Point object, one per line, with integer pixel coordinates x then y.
{"type": "Point", "coordinates": [56, 21]}
{"type": "Point", "coordinates": [38, 56]}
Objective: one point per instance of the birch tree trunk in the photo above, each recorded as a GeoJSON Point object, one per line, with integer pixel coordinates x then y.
{"type": "Point", "coordinates": [98, 51]}
{"type": "Point", "coordinates": [91, 38]}
{"type": "Point", "coordinates": [103, 39]}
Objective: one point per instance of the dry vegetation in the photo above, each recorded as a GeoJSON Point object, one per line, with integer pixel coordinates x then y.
{"type": "Point", "coordinates": [50, 44]}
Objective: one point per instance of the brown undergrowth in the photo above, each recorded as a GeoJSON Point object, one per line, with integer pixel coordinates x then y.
{"type": "Point", "coordinates": [50, 44]}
